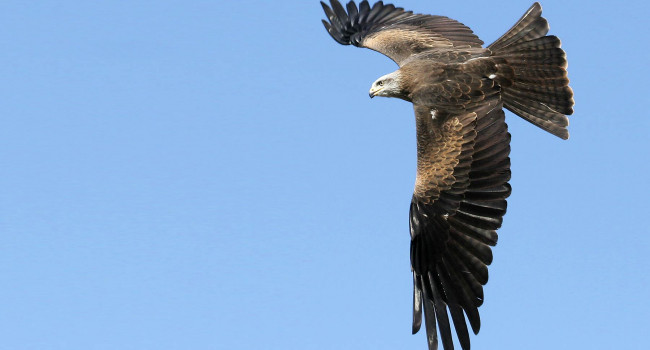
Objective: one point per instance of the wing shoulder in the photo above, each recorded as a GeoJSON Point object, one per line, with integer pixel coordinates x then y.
{"type": "Point", "coordinates": [393, 31]}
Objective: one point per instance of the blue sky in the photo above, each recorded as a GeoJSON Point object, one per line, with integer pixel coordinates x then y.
{"type": "Point", "coordinates": [213, 175]}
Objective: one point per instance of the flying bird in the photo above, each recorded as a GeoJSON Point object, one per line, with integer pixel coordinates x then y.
{"type": "Point", "coordinates": [458, 90]}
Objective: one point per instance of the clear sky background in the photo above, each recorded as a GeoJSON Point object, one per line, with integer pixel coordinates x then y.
{"type": "Point", "coordinates": [213, 175]}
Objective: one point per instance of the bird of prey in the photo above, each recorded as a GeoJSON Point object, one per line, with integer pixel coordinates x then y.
{"type": "Point", "coordinates": [458, 90]}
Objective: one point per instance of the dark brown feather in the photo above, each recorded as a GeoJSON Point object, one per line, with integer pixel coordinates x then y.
{"type": "Point", "coordinates": [451, 239]}
{"type": "Point", "coordinates": [538, 90]}
{"type": "Point", "coordinates": [459, 90]}
{"type": "Point", "coordinates": [394, 32]}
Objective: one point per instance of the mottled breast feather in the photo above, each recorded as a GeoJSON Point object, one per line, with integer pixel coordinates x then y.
{"type": "Point", "coordinates": [443, 141]}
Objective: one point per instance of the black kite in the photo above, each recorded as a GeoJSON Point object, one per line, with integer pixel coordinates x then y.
{"type": "Point", "coordinates": [458, 90]}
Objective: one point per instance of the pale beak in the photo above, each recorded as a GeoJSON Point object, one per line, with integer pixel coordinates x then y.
{"type": "Point", "coordinates": [373, 92]}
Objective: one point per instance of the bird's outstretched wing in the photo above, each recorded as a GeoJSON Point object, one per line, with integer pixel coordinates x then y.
{"type": "Point", "coordinates": [458, 204]}
{"type": "Point", "coordinates": [393, 31]}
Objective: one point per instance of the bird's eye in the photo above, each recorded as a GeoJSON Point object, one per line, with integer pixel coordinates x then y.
{"type": "Point", "coordinates": [380, 83]}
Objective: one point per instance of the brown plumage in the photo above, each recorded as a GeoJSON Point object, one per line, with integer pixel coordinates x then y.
{"type": "Point", "coordinates": [458, 90]}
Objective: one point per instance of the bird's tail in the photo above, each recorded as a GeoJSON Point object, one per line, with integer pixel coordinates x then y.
{"type": "Point", "coordinates": [532, 72]}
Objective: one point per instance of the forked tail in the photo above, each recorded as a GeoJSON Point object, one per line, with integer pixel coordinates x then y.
{"type": "Point", "coordinates": [533, 67]}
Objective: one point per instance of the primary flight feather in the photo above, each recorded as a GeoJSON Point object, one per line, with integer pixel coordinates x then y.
{"type": "Point", "coordinates": [458, 90]}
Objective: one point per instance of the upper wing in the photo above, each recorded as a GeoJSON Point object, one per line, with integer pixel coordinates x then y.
{"type": "Point", "coordinates": [458, 204]}
{"type": "Point", "coordinates": [392, 31]}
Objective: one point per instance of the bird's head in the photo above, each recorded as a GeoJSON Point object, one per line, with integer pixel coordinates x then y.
{"type": "Point", "coordinates": [387, 86]}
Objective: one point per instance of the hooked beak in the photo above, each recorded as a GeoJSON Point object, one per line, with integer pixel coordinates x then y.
{"type": "Point", "coordinates": [373, 92]}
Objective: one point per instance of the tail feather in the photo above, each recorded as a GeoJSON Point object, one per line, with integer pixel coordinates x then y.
{"type": "Point", "coordinates": [544, 121]}
{"type": "Point", "coordinates": [553, 98]}
{"type": "Point", "coordinates": [532, 72]}
{"type": "Point", "coordinates": [552, 56]}
{"type": "Point", "coordinates": [530, 26]}
{"type": "Point", "coordinates": [540, 110]}
{"type": "Point", "coordinates": [542, 43]}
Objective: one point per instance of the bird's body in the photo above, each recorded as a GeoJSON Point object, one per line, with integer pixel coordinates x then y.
{"type": "Point", "coordinates": [458, 90]}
